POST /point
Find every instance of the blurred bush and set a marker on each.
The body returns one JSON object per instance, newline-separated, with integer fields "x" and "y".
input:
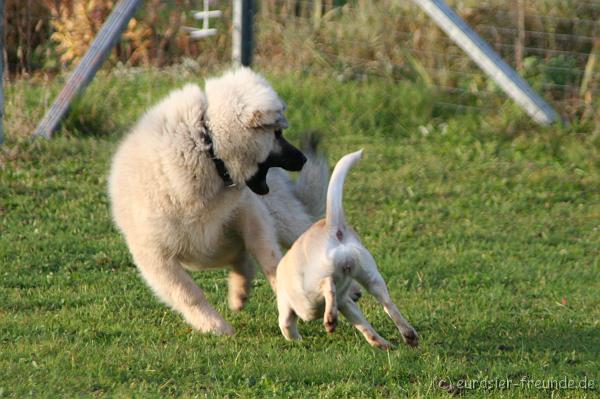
{"x": 50, "y": 35}
{"x": 26, "y": 35}
{"x": 76, "y": 23}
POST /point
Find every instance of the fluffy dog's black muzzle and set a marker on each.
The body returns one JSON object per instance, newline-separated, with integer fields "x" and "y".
{"x": 288, "y": 157}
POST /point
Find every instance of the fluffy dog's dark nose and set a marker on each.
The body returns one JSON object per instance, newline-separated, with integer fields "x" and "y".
{"x": 290, "y": 158}
{"x": 297, "y": 163}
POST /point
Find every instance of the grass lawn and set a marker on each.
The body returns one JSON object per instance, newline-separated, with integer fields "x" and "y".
{"x": 485, "y": 227}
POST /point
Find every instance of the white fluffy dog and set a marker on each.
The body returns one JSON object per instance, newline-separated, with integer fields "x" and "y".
{"x": 179, "y": 191}
{"x": 315, "y": 276}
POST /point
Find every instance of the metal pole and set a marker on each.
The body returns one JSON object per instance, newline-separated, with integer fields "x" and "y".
{"x": 1, "y": 71}
{"x": 243, "y": 12}
{"x": 489, "y": 61}
{"x": 89, "y": 65}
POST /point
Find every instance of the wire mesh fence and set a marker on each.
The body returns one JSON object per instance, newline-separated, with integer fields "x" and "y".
{"x": 554, "y": 44}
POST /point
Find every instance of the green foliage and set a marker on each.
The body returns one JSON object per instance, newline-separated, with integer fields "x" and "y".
{"x": 484, "y": 226}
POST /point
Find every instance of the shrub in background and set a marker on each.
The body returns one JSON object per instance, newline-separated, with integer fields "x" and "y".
{"x": 49, "y": 36}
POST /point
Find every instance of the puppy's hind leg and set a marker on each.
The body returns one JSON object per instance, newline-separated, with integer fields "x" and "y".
{"x": 331, "y": 311}
{"x": 370, "y": 278}
{"x": 287, "y": 319}
{"x": 240, "y": 278}
{"x": 175, "y": 287}
{"x": 351, "y": 311}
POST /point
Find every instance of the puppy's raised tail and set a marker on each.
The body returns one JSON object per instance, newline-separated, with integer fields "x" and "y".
{"x": 334, "y": 218}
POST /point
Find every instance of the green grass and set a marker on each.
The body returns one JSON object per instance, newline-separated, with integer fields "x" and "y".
{"x": 486, "y": 228}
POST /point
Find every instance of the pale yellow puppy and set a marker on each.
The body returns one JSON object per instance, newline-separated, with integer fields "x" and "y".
{"x": 315, "y": 275}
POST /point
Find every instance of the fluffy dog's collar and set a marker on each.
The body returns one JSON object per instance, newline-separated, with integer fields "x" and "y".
{"x": 219, "y": 163}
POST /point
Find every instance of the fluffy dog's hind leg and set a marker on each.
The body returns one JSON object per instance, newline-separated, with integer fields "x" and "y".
{"x": 175, "y": 287}
{"x": 240, "y": 279}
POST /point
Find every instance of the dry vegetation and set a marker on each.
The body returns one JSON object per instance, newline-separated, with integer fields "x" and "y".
{"x": 48, "y": 36}
{"x": 553, "y": 43}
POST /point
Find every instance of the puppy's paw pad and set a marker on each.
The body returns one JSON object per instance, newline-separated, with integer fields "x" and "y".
{"x": 377, "y": 341}
{"x": 411, "y": 338}
{"x": 330, "y": 324}
{"x": 382, "y": 344}
{"x": 330, "y": 321}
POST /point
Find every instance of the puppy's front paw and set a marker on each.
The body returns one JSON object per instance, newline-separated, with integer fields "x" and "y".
{"x": 330, "y": 322}
{"x": 291, "y": 335}
{"x": 411, "y": 338}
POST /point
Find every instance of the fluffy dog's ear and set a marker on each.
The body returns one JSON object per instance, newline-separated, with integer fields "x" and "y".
{"x": 255, "y": 119}
{"x": 267, "y": 119}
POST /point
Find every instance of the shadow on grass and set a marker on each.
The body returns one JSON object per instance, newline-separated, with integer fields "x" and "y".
{"x": 88, "y": 119}
{"x": 559, "y": 342}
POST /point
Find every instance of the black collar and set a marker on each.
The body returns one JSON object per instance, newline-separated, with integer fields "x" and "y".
{"x": 219, "y": 164}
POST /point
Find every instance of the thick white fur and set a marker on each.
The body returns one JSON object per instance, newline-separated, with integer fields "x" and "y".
{"x": 174, "y": 210}
{"x": 314, "y": 278}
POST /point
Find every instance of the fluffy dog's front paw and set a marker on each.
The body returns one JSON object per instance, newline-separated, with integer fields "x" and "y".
{"x": 223, "y": 329}
{"x": 330, "y": 322}
{"x": 411, "y": 338}
{"x": 237, "y": 302}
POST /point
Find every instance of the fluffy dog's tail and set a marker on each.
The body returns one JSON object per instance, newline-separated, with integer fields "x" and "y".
{"x": 334, "y": 218}
{"x": 311, "y": 185}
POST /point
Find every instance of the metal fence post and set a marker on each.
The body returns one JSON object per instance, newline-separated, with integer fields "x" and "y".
{"x": 88, "y": 66}
{"x": 489, "y": 61}
{"x": 1, "y": 71}
{"x": 243, "y": 14}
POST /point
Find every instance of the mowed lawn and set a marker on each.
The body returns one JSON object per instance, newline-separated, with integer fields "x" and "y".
{"x": 485, "y": 227}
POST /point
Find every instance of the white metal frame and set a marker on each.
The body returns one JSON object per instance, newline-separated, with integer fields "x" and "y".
{"x": 205, "y": 15}
{"x": 489, "y": 61}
